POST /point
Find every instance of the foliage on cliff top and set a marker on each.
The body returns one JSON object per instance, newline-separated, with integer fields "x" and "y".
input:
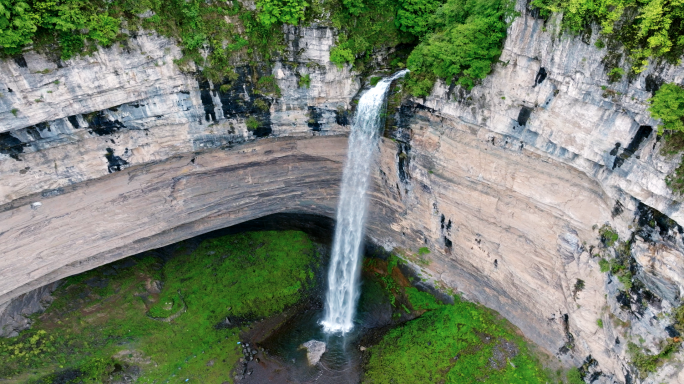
{"x": 458, "y": 40}
{"x": 645, "y": 28}
{"x": 364, "y": 26}
{"x": 102, "y": 312}
{"x": 210, "y": 33}
{"x": 459, "y": 343}
{"x": 467, "y": 39}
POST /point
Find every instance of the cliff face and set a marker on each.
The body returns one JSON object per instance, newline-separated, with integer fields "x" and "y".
{"x": 506, "y": 184}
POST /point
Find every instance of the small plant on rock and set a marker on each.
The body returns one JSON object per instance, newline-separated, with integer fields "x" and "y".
{"x": 608, "y": 235}
{"x": 252, "y": 123}
{"x": 305, "y": 81}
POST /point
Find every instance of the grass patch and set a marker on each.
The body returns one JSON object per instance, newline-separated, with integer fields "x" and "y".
{"x": 459, "y": 343}
{"x": 102, "y": 312}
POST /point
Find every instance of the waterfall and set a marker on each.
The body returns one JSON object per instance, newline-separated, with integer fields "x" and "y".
{"x": 342, "y": 292}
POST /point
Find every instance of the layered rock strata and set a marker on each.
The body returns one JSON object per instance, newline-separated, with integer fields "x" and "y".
{"x": 505, "y": 184}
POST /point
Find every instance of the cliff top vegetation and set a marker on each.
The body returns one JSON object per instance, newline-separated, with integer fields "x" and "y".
{"x": 457, "y": 39}
{"x": 634, "y": 31}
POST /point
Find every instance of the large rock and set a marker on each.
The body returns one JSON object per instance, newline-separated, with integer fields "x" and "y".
{"x": 314, "y": 350}
{"x": 14, "y": 314}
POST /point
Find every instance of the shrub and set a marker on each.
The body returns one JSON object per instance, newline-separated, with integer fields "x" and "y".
{"x": 305, "y": 81}
{"x": 647, "y": 363}
{"x": 646, "y": 28}
{"x": 599, "y": 322}
{"x": 340, "y": 55}
{"x": 252, "y": 123}
{"x": 283, "y": 11}
{"x": 14, "y": 111}
{"x": 262, "y": 105}
{"x": 608, "y": 236}
{"x": 615, "y": 74}
{"x": 668, "y": 105}
{"x": 267, "y": 85}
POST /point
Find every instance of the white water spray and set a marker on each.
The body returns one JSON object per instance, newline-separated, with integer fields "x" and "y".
{"x": 342, "y": 292}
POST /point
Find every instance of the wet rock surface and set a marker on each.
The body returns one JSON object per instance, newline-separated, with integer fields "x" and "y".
{"x": 314, "y": 350}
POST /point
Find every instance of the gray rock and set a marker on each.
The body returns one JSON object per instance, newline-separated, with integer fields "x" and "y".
{"x": 314, "y": 350}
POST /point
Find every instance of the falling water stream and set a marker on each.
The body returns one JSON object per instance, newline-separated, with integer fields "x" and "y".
{"x": 342, "y": 294}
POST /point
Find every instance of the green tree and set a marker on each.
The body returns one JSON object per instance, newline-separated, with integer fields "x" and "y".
{"x": 18, "y": 24}
{"x": 668, "y": 105}
{"x": 414, "y": 15}
{"x": 468, "y": 39}
{"x": 652, "y": 29}
{"x": 283, "y": 11}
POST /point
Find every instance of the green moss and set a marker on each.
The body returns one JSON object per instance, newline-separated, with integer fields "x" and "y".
{"x": 574, "y": 377}
{"x": 244, "y": 276}
{"x": 421, "y": 300}
{"x": 599, "y": 322}
{"x": 14, "y": 111}
{"x": 392, "y": 262}
{"x": 374, "y": 80}
{"x": 225, "y": 88}
{"x": 450, "y": 344}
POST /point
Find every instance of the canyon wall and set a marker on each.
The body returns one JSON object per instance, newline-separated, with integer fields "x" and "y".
{"x": 105, "y": 156}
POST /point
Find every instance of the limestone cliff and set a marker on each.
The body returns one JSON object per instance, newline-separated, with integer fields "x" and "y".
{"x": 105, "y": 156}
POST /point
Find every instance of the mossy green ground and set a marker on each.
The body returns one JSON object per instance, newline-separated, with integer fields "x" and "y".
{"x": 459, "y": 343}
{"x": 100, "y": 318}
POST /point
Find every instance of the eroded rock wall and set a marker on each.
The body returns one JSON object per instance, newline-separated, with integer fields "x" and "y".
{"x": 505, "y": 184}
